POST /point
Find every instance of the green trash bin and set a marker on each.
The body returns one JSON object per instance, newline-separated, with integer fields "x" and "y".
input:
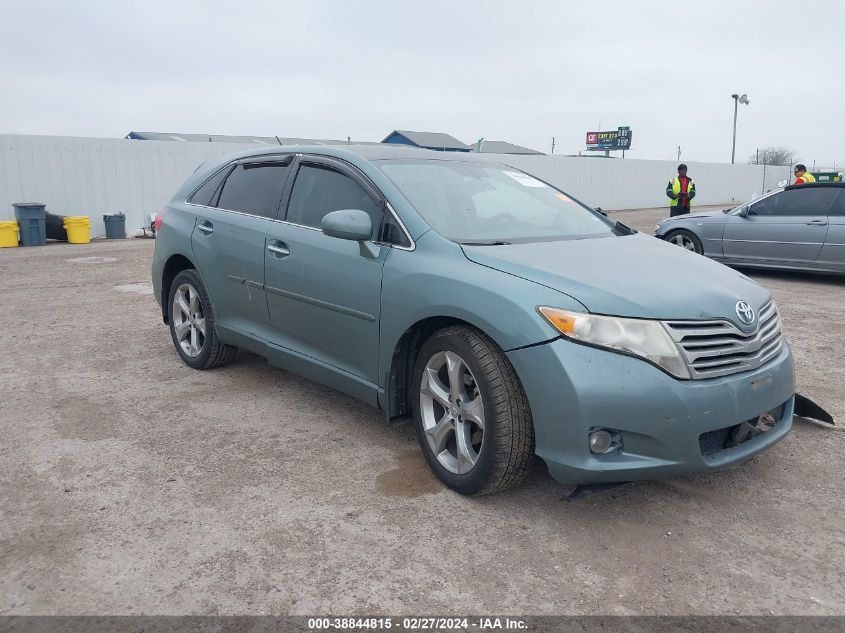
{"x": 827, "y": 176}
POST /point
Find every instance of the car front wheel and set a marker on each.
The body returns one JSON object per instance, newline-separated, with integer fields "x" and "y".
{"x": 471, "y": 414}
{"x": 192, "y": 327}
{"x": 685, "y": 239}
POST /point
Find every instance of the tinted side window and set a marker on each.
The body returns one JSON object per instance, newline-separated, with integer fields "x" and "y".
{"x": 320, "y": 190}
{"x": 254, "y": 188}
{"x": 839, "y": 206}
{"x": 205, "y": 195}
{"x": 810, "y": 201}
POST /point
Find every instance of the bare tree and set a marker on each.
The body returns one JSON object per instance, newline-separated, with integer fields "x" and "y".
{"x": 774, "y": 155}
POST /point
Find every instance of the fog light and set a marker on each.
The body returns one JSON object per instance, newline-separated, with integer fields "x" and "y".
{"x": 600, "y": 441}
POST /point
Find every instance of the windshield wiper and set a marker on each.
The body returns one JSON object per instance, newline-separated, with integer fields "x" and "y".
{"x": 486, "y": 243}
{"x": 623, "y": 229}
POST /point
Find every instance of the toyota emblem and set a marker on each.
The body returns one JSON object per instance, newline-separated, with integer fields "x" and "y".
{"x": 745, "y": 312}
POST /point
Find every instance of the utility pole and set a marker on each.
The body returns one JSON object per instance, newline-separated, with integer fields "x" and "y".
{"x": 733, "y": 145}
{"x": 553, "y": 145}
{"x": 679, "y": 153}
{"x": 737, "y": 100}
{"x": 763, "y": 186}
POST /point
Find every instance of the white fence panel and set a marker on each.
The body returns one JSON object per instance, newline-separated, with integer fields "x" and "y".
{"x": 633, "y": 184}
{"x": 91, "y": 176}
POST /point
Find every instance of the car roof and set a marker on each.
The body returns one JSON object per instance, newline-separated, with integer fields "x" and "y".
{"x": 814, "y": 185}
{"x": 362, "y": 156}
{"x": 367, "y": 152}
{"x": 388, "y": 152}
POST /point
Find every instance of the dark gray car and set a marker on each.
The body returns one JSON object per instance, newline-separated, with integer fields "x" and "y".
{"x": 801, "y": 227}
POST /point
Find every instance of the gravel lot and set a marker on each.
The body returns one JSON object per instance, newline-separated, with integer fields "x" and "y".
{"x": 132, "y": 484}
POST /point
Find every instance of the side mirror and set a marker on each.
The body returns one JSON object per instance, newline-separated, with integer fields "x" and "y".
{"x": 783, "y": 183}
{"x": 351, "y": 224}
{"x": 743, "y": 212}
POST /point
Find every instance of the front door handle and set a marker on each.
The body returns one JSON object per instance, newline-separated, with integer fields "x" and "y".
{"x": 278, "y": 249}
{"x": 206, "y": 227}
{"x": 817, "y": 223}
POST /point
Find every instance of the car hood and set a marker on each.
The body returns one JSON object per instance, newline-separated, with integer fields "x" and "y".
{"x": 714, "y": 215}
{"x": 633, "y": 275}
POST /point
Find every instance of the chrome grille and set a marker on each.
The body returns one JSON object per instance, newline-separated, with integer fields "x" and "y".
{"x": 719, "y": 348}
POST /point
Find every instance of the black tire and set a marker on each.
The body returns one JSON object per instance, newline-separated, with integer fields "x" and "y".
{"x": 689, "y": 235}
{"x": 507, "y": 444}
{"x": 212, "y": 353}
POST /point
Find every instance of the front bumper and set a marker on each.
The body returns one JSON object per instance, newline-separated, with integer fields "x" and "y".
{"x": 574, "y": 388}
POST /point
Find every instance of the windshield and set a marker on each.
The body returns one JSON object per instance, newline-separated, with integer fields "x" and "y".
{"x": 484, "y": 203}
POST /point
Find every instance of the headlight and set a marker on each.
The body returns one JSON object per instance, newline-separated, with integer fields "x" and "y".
{"x": 641, "y": 337}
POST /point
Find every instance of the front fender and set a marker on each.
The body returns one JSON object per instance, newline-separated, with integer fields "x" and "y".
{"x": 707, "y": 230}
{"x": 437, "y": 280}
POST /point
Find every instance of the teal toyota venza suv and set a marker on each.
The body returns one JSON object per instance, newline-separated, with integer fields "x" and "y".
{"x": 507, "y": 318}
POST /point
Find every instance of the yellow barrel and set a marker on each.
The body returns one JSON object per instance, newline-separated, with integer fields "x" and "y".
{"x": 8, "y": 234}
{"x": 78, "y": 229}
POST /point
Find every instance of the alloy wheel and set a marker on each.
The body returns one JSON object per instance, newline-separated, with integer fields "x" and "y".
{"x": 189, "y": 320}
{"x": 683, "y": 241}
{"x": 452, "y": 412}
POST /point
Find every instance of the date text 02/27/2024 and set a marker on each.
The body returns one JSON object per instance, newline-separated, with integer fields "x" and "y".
{"x": 416, "y": 624}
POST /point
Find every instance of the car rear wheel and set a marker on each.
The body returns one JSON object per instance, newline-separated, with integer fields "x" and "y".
{"x": 685, "y": 239}
{"x": 471, "y": 414}
{"x": 192, "y": 326}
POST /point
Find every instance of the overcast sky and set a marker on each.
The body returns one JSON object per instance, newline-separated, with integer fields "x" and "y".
{"x": 516, "y": 71}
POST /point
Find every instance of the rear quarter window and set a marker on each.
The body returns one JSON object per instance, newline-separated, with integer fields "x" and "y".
{"x": 206, "y": 195}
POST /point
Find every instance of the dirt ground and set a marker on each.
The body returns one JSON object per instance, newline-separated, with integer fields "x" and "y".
{"x": 131, "y": 484}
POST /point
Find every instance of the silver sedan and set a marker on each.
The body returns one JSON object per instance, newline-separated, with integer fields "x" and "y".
{"x": 801, "y": 227}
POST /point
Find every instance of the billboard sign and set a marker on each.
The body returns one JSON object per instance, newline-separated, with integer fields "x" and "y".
{"x": 616, "y": 140}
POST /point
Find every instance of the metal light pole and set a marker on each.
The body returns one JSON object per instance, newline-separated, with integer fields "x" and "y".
{"x": 737, "y": 100}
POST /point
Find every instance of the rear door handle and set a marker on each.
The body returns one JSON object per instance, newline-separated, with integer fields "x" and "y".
{"x": 817, "y": 223}
{"x": 278, "y": 249}
{"x": 206, "y": 227}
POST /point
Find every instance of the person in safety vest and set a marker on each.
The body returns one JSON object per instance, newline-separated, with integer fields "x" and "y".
{"x": 681, "y": 191}
{"x": 802, "y": 176}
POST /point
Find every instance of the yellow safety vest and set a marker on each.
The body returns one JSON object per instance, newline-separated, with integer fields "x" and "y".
{"x": 808, "y": 177}
{"x": 676, "y": 189}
